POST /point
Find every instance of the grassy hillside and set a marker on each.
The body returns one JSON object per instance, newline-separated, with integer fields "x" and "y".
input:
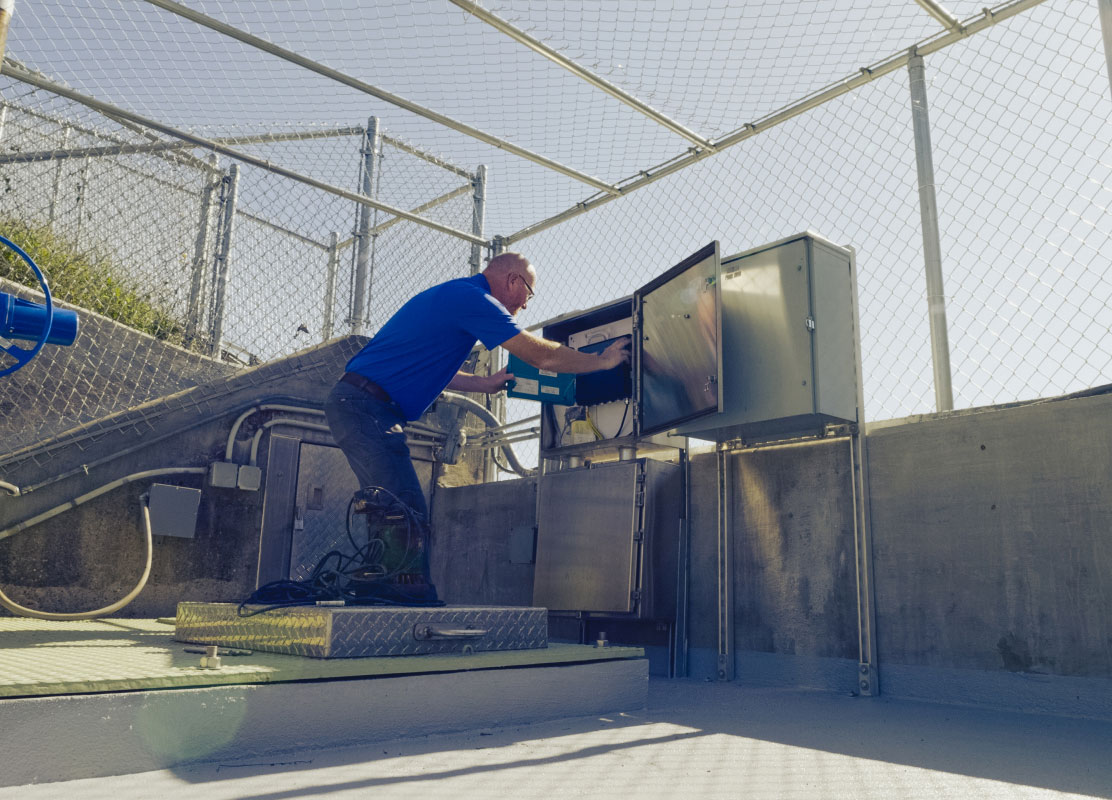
{"x": 85, "y": 279}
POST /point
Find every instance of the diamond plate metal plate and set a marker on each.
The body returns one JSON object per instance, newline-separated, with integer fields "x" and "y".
{"x": 360, "y": 632}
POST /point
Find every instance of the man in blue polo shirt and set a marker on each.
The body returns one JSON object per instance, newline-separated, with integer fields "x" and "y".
{"x": 418, "y": 353}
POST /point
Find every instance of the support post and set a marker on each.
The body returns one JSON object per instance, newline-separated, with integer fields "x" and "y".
{"x": 330, "y": 286}
{"x": 229, "y": 187}
{"x": 497, "y": 402}
{"x": 53, "y": 208}
{"x": 478, "y": 216}
{"x": 83, "y": 190}
{"x": 678, "y": 667}
{"x": 868, "y": 668}
{"x": 364, "y": 254}
{"x": 195, "y": 310}
{"x": 7, "y": 8}
{"x": 932, "y": 251}
{"x": 1105, "y": 7}
{"x": 725, "y": 572}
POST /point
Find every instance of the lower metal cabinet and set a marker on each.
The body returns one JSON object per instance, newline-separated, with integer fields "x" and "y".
{"x": 607, "y": 539}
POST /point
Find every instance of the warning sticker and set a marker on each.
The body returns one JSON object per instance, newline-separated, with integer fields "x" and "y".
{"x": 550, "y": 390}
{"x": 527, "y": 386}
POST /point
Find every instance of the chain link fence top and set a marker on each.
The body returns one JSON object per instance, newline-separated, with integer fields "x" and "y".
{"x": 1019, "y": 119}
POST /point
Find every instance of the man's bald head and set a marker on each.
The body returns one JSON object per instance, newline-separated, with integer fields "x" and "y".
{"x": 512, "y": 280}
{"x": 507, "y": 262}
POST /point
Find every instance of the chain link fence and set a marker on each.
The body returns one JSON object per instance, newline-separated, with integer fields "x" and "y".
{"x": 1019, "y": 115}
{"x": 1022, "y": 145}
{"x": 194, "y": 265}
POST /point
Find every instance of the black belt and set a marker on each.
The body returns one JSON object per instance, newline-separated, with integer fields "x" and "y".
{"x": 367, "y": 385}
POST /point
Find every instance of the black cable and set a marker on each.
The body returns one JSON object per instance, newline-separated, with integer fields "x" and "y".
{"x": 359, "y": 577}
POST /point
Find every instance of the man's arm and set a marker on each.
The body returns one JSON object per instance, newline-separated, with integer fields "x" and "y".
{"x": 548, "y": 355}
{"x": 488, "y": 384}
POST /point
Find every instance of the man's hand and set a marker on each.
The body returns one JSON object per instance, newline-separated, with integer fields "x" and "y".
{"x": 499, "y": 381}
{"x": 615, "y": 354}
{"x": 488, "y": 384}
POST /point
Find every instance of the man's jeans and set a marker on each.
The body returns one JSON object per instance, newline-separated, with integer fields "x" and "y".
{"x": 370, "y": 432}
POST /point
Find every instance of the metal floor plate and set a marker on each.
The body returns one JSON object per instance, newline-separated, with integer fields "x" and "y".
{"x": 363, "y": 631}
{"x": 43, "y": 658}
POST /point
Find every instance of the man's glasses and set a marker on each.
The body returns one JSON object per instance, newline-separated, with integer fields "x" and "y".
{"x": 528, "y": 288}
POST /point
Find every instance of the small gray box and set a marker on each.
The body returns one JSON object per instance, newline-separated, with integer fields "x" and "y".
{"x": 173, "y": 510}
{"x": 250, "y": 478}
{"x": 222, "y": 474}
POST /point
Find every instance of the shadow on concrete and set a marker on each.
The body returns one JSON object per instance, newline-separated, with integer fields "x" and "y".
{"x": 1054, "y": 753}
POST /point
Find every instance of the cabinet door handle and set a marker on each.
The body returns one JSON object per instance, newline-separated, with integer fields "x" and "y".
{"x": 423, "y": 631}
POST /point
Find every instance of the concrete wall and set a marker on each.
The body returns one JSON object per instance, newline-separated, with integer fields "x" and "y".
{"x": 993, "y": 554}
{"x": 92, "y": 555}
{"x": 992, "y": 557}
{"x": 109, "y": 368}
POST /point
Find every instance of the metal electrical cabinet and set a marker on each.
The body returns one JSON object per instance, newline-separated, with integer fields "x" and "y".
{"x": 789, "y": 329}
{"x": 608, "y": 538}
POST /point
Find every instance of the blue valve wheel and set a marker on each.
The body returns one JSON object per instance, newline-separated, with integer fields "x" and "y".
{"x": 21, "y": 354}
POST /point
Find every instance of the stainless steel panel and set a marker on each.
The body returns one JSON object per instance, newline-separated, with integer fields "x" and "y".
{"x": 325, "y": 484}
{"x": 359, "y": 632}
{"x": 836, "y": 364}
{"x": 587, "y": 558}
{"x": 766, "y": 305}
{"x": 679, "y": 352}
{"x": 278, "y": 509}
{"x": 788, "y": 332}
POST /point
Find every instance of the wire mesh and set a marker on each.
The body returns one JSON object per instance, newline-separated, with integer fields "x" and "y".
{"x": 1019, "y": 119}
{"x": 194, "y": 265}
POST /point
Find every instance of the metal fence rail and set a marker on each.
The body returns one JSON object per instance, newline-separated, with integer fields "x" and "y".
{"x": 221, "y": 262}
{"x": 969, "y": 163}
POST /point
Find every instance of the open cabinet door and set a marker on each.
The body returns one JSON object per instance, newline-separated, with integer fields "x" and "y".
{"x": 678, "y": 352}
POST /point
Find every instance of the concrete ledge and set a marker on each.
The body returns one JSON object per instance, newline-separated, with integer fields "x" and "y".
{"x": 83, "y": 736}
{"x": 1028, "y": 692}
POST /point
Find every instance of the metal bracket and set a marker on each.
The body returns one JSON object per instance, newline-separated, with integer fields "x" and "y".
{"x": 867, "y": 680}
{"x": 424, "y": 631}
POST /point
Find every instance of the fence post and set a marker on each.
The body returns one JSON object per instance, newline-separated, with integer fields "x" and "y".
{"x": 932, "y": 251}
{"x": 1105, "y": 7}
{"x": 330, "y": 285}
{"x": 52, "y": 211}
{"x": 195, "y": 309}
{"x": 229, "y": 187}
{"x": 83, "y": 190}
{"x": 478, "y": 216}
{"x": 7, "y": 8}
{"x": 3, "y": 118}
{"x": 364, "y": 263}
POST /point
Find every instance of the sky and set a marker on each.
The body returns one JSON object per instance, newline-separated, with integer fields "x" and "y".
{"x": 1019, "y": 120}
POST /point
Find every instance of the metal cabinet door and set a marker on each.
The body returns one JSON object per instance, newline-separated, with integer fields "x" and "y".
{"x": 678, "y": 354}
{"x": 588, "y": 553}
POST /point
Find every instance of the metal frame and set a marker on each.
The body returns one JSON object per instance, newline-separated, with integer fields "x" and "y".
{"x": 21, "y": 73}
{"x": 932, "y": 248}
{"x": 355, "y": 83}
{"x": 865, "y": 75}
{"x": 161, "y": 147}
{"x": 1105, "y": 9}
{"x": 598, "y": 82}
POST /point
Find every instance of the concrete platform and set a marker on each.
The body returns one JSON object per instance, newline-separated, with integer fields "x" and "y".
{"x": 113, "y": 697}
{"x": 695, "y": 740}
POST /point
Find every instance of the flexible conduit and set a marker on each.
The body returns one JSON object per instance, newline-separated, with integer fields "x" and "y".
{"x": 22, "y": 611}
{"x": 483, "y": 413}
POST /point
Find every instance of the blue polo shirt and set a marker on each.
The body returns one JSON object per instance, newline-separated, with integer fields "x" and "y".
{"x": 421, "y": 348}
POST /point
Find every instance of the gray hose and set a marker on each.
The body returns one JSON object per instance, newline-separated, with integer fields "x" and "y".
{"x": 483, "y": 413}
